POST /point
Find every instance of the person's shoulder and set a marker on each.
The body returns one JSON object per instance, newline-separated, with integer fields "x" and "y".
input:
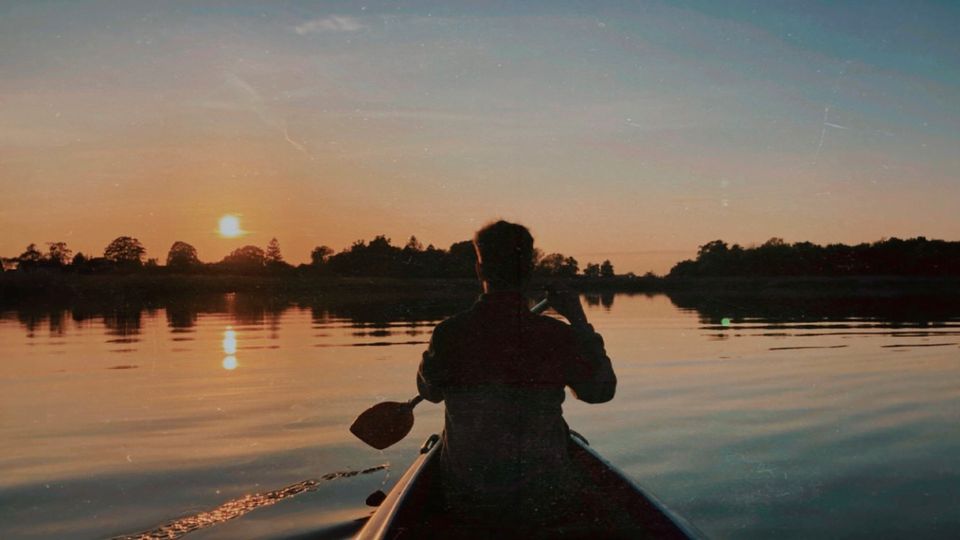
{"x": 452, "y": 322}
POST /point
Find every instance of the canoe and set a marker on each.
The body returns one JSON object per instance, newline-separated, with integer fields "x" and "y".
{"x": 614, "y": 506}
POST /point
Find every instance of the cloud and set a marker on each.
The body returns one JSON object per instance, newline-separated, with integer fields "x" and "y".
{"x": 333, "y": 23}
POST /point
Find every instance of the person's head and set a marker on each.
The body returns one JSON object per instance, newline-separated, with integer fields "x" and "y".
{"x": 504, "y": 255}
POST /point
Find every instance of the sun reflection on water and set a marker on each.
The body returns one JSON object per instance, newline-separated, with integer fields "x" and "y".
{"x": 230, "y": 341}
{"x": 230, "y": 348}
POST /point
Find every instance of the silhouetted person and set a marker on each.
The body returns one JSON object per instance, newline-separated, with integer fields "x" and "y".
{"x": 502, "y": 371}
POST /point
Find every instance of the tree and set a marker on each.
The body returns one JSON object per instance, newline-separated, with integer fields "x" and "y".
{"x": 126, "y": 251}
{"x": 712, "y": 258}
{"x": 415, "y": 261}
{"x": 78, "y": 260}
{"x": 592, "y": 270}
{"x": 29, "y": 258}
{"x": 58, "y": 253}
{"x": 380, "y": 243}
{"x": 549, "y": 265}
{"x": 778, "y": 242}
{"x": 557, "y": 265}
{"x": 606, "y": 269}
{"x": 273, "y": 252}
{"x": 715, "y": 247}
{"x": 537, "y": 256}
{"x": 246, "y": 258}
{"x": 775, "y": 257}
{"x": 182, "y": 256}
{"x": 320, "y": 255}
{"x": 461, "y": 260}
{"x": 685, "y": 268}
{"x": 413, "y": 245}
{"x": 378, "y": 258}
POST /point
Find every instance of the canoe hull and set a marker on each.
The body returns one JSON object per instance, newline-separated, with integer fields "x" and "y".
{"x": 613, "y": 506}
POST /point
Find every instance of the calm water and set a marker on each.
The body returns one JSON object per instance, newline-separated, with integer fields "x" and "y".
{"x": 794, "y": 419}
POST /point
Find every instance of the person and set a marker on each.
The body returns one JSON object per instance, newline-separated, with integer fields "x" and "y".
{"x": 501, "y": 371}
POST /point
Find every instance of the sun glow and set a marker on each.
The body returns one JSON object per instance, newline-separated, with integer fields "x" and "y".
{"x": 230, "y": 226}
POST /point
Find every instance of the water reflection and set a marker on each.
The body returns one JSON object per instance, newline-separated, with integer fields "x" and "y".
{"x": 123, "y": 322}
{"x": 799, "y": 323}
{"x": 230, "y": 363}
{"x": 180, "y": 316}
{"x": 724, "y": 310}
{"x": 230, "y": 341}
{"x": 371, "y": 315}
{"x": 57, "y": 322}
{"x": 604, "y": 299}
{"x": 30, "y": 320}
{"x": 381, "y": 316}
{"x": 747, "y": 414}
{"x": 229, "y": 348}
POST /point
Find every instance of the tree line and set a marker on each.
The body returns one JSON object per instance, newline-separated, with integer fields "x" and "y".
{"x": 374, "y": 258}
{"x": 894, "y": 256}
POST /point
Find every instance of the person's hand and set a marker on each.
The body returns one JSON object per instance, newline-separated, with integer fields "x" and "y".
{"x": 567, "y": 304}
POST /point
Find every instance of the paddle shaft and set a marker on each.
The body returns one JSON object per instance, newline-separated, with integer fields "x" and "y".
{"x": 540, "y": 307}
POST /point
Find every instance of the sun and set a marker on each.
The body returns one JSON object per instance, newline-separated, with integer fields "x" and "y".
{"x": 230, "y": 226}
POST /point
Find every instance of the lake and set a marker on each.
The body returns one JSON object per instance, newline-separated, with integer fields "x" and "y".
{"x": 794, "y": 418}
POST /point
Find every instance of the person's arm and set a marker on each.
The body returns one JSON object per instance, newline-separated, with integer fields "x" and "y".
{"x": 591, "y": 375}
{"x": 431, "y": 374}
{"x": 589, "y": 371}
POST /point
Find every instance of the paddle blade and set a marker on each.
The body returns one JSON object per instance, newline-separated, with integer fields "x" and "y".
{"x": 383, "y": 424}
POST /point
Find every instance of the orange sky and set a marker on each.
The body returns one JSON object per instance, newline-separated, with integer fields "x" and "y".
{"x": 619, "y": 134}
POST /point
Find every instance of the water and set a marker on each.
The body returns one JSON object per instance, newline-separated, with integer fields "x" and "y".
{"x": 793, "y": 418}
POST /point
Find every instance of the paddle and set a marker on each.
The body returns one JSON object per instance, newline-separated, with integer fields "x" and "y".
{"x": 387, "y": 423}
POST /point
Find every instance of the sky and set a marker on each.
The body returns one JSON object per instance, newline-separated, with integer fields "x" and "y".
{"x": 633, "y": 131}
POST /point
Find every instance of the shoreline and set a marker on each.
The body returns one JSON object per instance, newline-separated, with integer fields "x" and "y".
{"x": 43, "y": 287}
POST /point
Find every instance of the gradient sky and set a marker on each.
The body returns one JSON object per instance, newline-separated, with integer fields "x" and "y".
{"x": 633, "y": 131}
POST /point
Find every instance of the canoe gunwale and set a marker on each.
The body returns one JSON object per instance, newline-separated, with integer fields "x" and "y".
{"x": 383, "y": 518}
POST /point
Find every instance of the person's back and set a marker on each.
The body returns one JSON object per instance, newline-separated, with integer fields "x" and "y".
{"x": 501, "y": 371}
